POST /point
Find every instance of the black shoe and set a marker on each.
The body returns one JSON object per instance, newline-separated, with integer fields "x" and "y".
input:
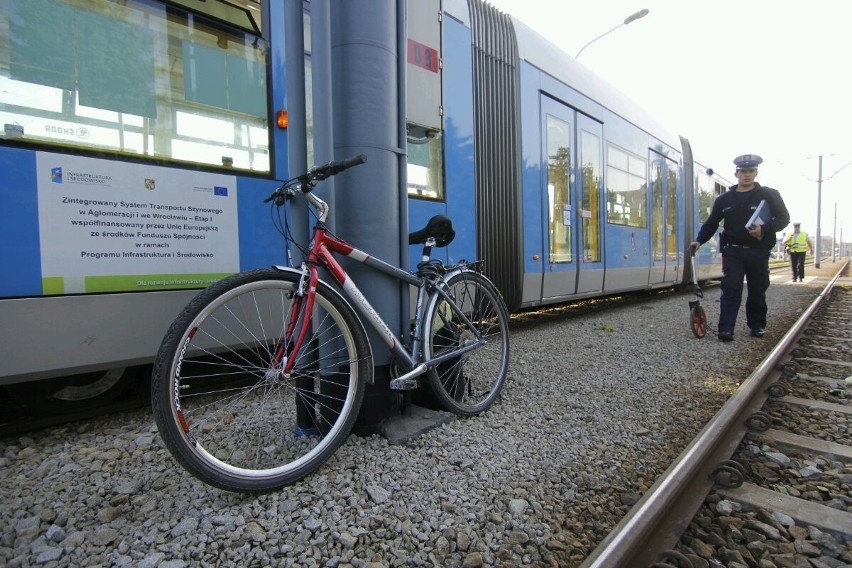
{"x": 758, "y": 332}
{"x": 726, "y": 336}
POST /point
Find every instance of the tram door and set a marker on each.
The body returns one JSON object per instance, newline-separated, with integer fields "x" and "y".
{"x": 664, "y": 248}
{"x": 571, "y": 172}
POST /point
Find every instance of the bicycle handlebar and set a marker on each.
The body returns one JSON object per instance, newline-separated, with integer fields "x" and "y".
{"x": 318, "y": 173}
{"x": 315, "y": 174}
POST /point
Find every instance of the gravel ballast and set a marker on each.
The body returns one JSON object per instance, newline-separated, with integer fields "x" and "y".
{"x": 596, "y": 407}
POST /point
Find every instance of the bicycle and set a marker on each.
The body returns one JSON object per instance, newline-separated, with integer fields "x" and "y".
{"x": 260, "y": 379}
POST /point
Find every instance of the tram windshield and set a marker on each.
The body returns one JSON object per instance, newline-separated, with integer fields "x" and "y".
{"x": 178, "y": 83}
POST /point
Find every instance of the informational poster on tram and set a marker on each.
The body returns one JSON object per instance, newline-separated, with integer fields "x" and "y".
{"x": 117, "y": 226}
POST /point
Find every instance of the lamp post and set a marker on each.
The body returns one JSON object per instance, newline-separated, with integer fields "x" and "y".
{"x": 631, "y": 18}
{"x": 834, "y": 236}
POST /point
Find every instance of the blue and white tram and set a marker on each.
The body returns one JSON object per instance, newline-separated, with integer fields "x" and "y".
{"x": 578, "y": 192}
{"x": 140, "y": 136}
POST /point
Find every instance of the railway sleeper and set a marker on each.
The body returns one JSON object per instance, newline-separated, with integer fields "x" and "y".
{"x": 825, "y": 518}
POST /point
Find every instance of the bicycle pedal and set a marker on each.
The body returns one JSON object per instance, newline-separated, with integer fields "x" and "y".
{"x": 404, "y": 384}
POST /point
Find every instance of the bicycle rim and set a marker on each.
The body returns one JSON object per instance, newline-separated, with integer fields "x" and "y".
{"x": 470, "y": 383}
{"x": 223, "y": 406}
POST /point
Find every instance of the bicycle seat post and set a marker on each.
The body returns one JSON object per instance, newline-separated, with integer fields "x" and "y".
{"x": 427, "y": 249}
{"x": 428, "y": 267}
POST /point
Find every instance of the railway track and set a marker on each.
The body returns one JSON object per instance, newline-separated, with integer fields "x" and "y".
{"x": 17, "y": 417}
{"x": 768, "y": 482}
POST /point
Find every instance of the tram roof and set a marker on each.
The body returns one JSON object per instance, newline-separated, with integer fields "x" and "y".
{"x": 542, "y": 54}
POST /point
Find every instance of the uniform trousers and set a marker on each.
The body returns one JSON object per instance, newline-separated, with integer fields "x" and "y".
{"x": 753, "y": 265}
{"x": 797, "y": 261}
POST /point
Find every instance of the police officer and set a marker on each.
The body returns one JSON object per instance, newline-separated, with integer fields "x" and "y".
{"x": 798, "y": 244}
{"x": 745, "y": 251}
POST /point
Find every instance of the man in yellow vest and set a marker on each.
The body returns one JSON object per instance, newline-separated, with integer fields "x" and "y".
{"x": 798, "y": 245}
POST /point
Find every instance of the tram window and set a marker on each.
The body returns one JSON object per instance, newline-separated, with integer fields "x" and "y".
{"x": 626, "y": 189}
{"x": 671, "y": 209}
{"x": 135, "y": 78}
{"x": 425, "y": 170}
{"x": 590, "y": 213}
{"x": 708, "y": 190}
{"x": 560, "y": 208}
{"x": 706, "y": 187}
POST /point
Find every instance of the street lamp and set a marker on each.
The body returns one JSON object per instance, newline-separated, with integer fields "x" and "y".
{"x": 633, "y": 17}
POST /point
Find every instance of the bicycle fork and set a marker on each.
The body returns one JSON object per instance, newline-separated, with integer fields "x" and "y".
{"x": 284, "y": 358}
{"x": 289, "y": 351}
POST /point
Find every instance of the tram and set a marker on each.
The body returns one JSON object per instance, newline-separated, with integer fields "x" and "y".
{"x": 139, "y": 138}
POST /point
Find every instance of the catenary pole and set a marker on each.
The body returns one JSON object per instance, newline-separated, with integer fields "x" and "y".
{"x": 817, "y": 244}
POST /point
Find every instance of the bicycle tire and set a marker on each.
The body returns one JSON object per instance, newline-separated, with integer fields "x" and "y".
{"x": 698, "y": 321}
{"x": 227, "y": 414}
{"x": 469, "y": 384}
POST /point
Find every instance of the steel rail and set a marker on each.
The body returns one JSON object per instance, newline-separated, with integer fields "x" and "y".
{"x": 657, "y": 521}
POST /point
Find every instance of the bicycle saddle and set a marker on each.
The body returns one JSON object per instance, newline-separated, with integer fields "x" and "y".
{"x": 440, "y": 227}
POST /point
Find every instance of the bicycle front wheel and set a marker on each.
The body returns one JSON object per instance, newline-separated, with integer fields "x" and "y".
{"x": 470, "y": 382}
{"x": 226, "y": 407}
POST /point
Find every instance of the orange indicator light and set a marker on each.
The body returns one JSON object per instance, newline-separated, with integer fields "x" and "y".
{"x": 281, "y": 119}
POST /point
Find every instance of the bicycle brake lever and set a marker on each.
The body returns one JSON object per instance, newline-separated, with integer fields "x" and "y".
{"x": 280, "y": 195}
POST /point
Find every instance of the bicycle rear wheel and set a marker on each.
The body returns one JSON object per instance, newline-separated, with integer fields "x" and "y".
{"x": 469, "y": 383}
{"x": 223, "y": 405}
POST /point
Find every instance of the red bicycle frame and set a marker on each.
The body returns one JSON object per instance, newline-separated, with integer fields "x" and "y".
{"x": 323, "y": 247}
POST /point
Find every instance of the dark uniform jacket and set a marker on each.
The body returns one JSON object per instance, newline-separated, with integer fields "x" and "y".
{"x": 736, "y": 208}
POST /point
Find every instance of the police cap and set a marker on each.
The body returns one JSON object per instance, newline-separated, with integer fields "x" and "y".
{"x": 747, "y": 161}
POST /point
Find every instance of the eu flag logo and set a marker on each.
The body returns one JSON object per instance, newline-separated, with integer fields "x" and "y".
{"x": 219, "y": 190}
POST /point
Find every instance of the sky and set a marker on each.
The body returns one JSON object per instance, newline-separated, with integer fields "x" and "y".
{"x": 734, "y": 77}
